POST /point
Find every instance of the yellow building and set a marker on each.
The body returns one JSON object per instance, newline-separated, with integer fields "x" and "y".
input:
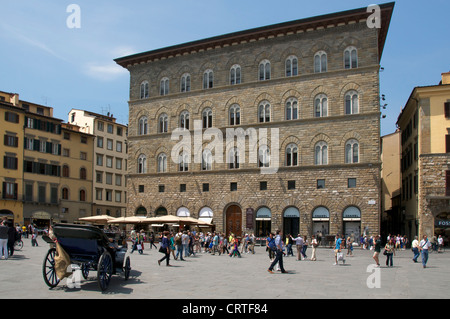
{"x": 11, "y": 172}
{"x": 41, "y": 164}
{"x": 425, "y": 161}
{"x": 75, "y": 191}
{"x": 391, "y": 216}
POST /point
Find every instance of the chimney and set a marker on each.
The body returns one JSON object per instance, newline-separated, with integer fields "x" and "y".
{"x": 446, "y": 78}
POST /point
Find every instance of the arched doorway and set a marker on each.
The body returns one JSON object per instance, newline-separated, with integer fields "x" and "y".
{"x": 321, "y": 223}
{"x": 352, "y": 223}
{"x": 442, "y": 226}
{"x": 291, "y": 222}
{"x": 183, "y": 212}
{"x": 263, "y": 222}
{"x": 141, "y": 212}
{"x": 234, "y": 220}
{"x": 161, "y": 211}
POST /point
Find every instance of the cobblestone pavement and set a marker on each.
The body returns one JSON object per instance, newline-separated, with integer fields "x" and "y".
{"x": 208, "y": 276}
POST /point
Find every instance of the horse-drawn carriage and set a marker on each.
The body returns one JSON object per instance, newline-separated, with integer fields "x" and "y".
{"x": 88, "y": 247}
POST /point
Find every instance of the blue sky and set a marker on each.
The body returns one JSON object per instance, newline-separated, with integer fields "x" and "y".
{"x": 48, "y": 63}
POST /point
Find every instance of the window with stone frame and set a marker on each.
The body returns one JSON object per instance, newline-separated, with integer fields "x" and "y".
{"x": 350, "y": 58}
{"x": 320, "y": 62}
{"x": 291, "y": 66}
{"x": 264, "y": 72}
{"x": 144, "y": 92}
{"x": 351, "y": 102}
{"x": 235, "y": 74}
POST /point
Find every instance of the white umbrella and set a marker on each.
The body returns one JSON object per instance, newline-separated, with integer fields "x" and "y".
{"x": 194, "y": 221}
{"x": 99, "y": 219}
{"x": 127, "y": 220}
{"x": 166, "y": 219}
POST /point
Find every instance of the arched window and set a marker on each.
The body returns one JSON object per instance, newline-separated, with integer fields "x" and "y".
{"x": 321, "y": 153}
{"x": 352, "y": 151}
{"x": 163, "y": 123}
{"x": 82, "y": 173}
{"x": 162, "y": 163}
{"x": 321, "y": 105}
{"x": 164, "y": 86}
{"x": 320, "y": 62}
{"x": 264, "y": 70}
{"x": 143, "y": 125}
{"x": 235, "y": 74}
{"x": 264, "y": 156}
{"x": 144, "y": 90}
{"x": 350, "y": 58}
{"x": 183, "y": 160}
{"x": 65, "y": 193}
{"x": 185, "y": 82}
{"x": 142, "y": 164}
{"x": 184, "y": 120}
{"x": 233, "y": 158}
{"x": 235, "y": 115}
{"x": 292, "y": 66}
{"x": 351, "y": 102}
{"x": 207, "y": 118}
{"x": 264, "y": 112}
{"x": 82, "y": 195}
{"x": 292, "y": 155}
{"x": 292, "y": 109}
{"x": 206, "y": 160}
{"x": 208, "y": 79}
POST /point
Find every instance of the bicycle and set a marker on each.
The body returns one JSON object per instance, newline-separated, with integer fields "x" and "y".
{"x": 18, "y": 244}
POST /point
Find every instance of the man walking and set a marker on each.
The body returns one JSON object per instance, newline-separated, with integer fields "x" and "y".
{"x": 424, "y": 246}
{"x": 415, "y": 248}
{"x": 279, "y": 254}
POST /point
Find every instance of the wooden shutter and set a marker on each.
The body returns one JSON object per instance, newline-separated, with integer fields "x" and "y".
{"x": 447, "y": 109}
{"x": 447, "y": 143}
{"x": 447, "y": 183}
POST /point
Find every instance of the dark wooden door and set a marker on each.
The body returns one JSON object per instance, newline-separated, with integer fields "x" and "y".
{"x": 234, "y": 221}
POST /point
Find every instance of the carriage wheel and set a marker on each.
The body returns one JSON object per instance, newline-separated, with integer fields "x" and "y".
{"x": 104, "y": 270}
{"x": 127, "y": 268}
{"x": 85, "y": 270}
{"x": 18, "y": 245}
{"x": 48, "y": 269}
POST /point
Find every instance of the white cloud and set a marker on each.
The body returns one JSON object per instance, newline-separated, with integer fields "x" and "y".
{"x": 104, "y": 72}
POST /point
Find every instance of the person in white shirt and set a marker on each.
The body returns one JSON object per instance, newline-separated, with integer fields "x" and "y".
{"x": 299, "y": 244}
{"x": 424, "y": 246}
{"x": 440, "y": 243}
{"x": 415, "y": 248}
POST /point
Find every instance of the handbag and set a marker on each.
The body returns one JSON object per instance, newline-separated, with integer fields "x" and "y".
{"x": 385, "y": 252}
{"x": 162, "y": 250}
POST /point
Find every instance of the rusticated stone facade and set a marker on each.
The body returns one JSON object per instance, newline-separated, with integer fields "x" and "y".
{"x": 433, "y": 194}
{"x": 290, "y": 197}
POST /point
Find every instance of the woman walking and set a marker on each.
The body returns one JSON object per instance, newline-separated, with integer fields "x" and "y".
{"x": 165, "y": 248}
{"x": 390, "y": 251}
{"x": 314, "y": 245}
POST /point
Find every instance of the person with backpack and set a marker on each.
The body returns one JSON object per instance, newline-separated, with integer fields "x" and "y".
{"x": 279, "y": 254}
{"x": 270, "y": 246}
{"x": 179, "y": 246}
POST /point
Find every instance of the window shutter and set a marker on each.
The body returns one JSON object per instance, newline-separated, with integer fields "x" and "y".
{"x": 447, "y": 109}
{"x": 447, "y": 183}
{"x": 447, "y": 143}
